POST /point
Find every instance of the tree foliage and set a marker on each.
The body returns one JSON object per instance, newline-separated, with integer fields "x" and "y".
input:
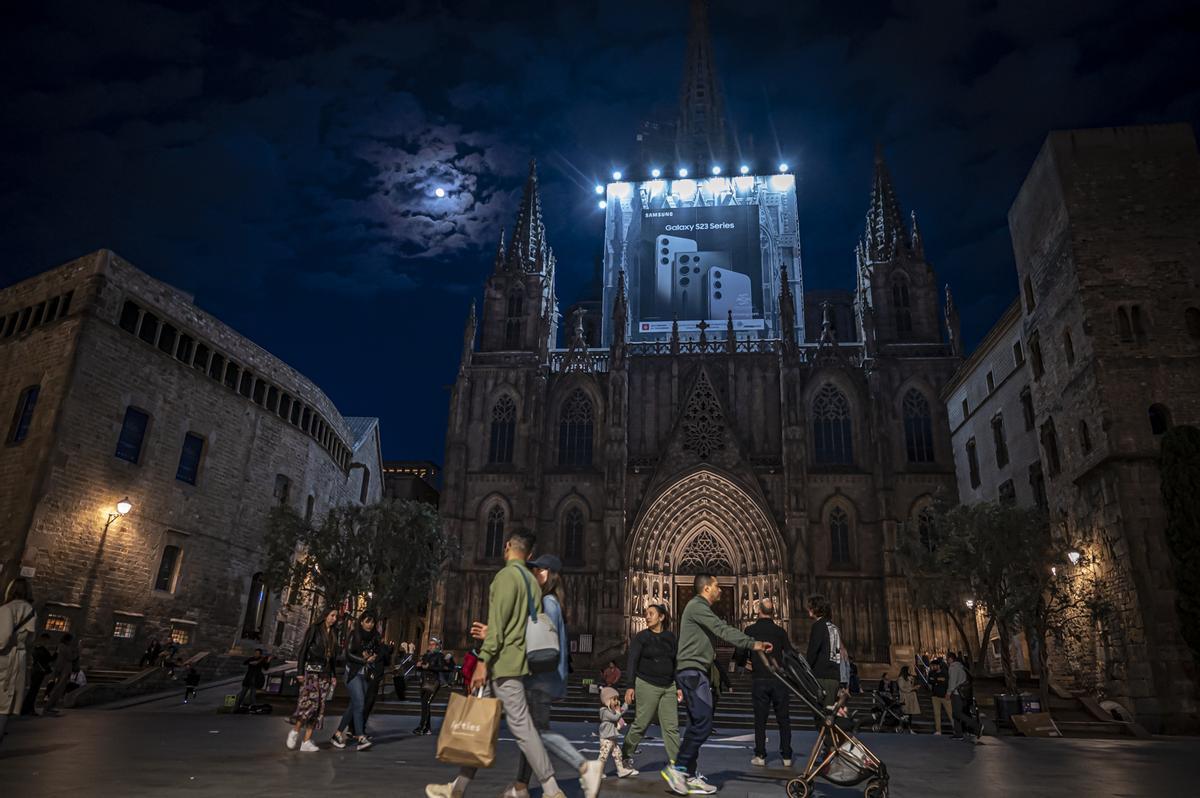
{"x": 1180, "y": 466}
{"x": 389, "y": 552}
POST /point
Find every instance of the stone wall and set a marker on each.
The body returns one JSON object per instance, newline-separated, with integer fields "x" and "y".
{"x": 94, "y": 369}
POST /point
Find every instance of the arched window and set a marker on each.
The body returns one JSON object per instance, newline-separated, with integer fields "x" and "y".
{"x": 832, "y": 429}
{"x": 504, "y": 429}
{"x": 839, "y": 537}
{"x": 494, "y": 542}
{"x": 918, "y": 427}
{"x": 515, "y": 315}
{"x": 256, "y": 608}
{"x": 1160, "y": 419}
{"x": 573, "y": 536}
{"x": 903, "y": 308}
{"x": 926, "y": 529}
{"x": 575, "y": 431}
{"x": 1191, "y": 320}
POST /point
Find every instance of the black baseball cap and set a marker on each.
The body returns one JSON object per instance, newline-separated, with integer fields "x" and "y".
{"x": 547, "y": 562}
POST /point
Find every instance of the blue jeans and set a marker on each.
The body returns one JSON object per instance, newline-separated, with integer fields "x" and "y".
{"x": 353, "y": 716}
{"x": 698, "y": 698}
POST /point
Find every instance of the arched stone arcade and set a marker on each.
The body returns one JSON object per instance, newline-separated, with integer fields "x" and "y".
{"x": 705, "y": 521}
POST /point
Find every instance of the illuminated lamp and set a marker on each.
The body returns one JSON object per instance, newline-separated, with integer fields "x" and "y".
{"x": 599, "y": 189}
{"x": 123, "y": 506}
{"x": 970, "y": 604}
{"x": 783, "y": 167}
{"x": 683, "y": 172}
{"x": 656, "y": 173}
{"x": 1074, "y": 557}
{"x": 439, "y": 192}
{"x": 602, "y": 204}
{"x": 686, "y": 189}
{"x": 716, "y": 170}
{"x": 745, "y": 169}
{"x": 617, "y": 175}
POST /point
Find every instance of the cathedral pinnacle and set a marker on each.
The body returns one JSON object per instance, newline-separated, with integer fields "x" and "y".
{"x": 528, "y": 250}
{"x": 787, "y": 309}
{"x": 885, "y": 236}
{"x": 700, "y": 132}
{"x": 498, "y": 264}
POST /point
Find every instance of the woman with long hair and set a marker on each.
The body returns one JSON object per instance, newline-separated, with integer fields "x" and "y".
{"x": 18, "y": 622}
{"x": 908, "y": 697}
{"x": 316, "y": 667}
{"x": 543, "y": 689}
{"x": 655, "y": 697}
{"x": 361, "y": 653}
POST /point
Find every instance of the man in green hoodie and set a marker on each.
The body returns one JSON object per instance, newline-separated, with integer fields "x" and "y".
{"x": 502, "y": 664}
{"x": 699, "y": 629}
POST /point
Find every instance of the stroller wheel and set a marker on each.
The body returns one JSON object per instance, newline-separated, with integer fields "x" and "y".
{"x": 798, "y": 788}
{"x": 875, "y": 789}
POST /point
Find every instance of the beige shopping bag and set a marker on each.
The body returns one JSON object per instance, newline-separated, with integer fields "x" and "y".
{"x": 469, "y": 730}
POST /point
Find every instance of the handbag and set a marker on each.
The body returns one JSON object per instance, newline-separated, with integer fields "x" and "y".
{"x": 541, "y": 636}
{"x": 469, "y": 731}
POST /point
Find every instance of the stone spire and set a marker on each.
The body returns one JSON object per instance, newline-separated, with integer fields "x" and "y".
{"x": 700, "y": 135}
{"x": 468, "y": 345}
{"x": 953, "y": 325}
{"x": 885, "y": 236}
{"x": 620, "y": 312}
{"x": 528, "y": 250}
{"x": 730, "y": 335}
{"x": 498, "y": 263}
{"x": 787, "y": 310}
{"x": 918, "y": 243}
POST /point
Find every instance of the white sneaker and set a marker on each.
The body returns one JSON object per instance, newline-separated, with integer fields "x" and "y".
{"x": 308, "y": 746}
{"x": 590, "y": 778}
{"x": 698, "y": 785}
{"x": 676, "y": 779}
{"x": 623, "y": 772}
{"x": 293, "y": 738}
{"x": 759, "y": 761}
{"x": 511, "y": 791}
{"x": 787, "y": 763}
{"x": 441, "y": 791}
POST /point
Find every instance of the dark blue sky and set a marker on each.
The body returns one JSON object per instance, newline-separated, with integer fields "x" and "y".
{"x": 279, "y": 160}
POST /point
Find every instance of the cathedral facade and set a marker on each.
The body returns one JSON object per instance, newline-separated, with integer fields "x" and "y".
{"x": 785, "y": 467}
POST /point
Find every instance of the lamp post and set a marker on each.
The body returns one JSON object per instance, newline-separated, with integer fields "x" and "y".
{"x": 123, "y": 508}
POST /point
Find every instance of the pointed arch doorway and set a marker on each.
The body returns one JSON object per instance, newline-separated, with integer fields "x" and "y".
{"x": 705, "y": 522}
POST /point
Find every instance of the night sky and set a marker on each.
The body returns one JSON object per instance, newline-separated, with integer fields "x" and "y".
{"x": 279, "y": 160}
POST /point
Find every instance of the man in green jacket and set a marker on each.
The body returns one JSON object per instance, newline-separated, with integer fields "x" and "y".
{"x": 699, "y": 629}
{"x": 502, "y": 664}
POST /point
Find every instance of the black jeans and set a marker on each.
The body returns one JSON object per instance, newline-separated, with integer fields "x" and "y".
{"x": 960, "y": 717}
{"x": 427, "y": 697}
{"x": 36, "y": 677}
{"x": 768, "y": 694}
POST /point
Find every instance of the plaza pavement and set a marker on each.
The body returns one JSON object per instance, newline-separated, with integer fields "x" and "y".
{"x": 166, "y": 749}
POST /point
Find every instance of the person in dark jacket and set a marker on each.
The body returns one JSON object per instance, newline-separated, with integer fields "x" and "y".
{"x": 191, "y": 681}
{"x": 375, "y": 676}
{"x": 42, "y": 664}
{"x": 150, "y": 657}
{"x": 316, "y": 666}
{"x": 767, "y": 692}
{"x": 939, "y": 683}
{"x": 256, "y": 677}
{"x": 824, "y": 653}
{"x": 651, "y": 665}
{"x": 431, "y": 666}
{"x": 362, "y": 650}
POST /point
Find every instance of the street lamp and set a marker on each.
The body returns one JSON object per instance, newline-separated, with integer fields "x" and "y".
{"x": 1074, "y": 557}
{"x": 123, "y": 508}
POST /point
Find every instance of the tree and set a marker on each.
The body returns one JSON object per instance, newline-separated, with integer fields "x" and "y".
{"x": 389, "y": 553}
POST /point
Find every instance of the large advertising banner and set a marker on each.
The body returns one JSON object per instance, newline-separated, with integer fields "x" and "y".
{"x": 701, "y": 251}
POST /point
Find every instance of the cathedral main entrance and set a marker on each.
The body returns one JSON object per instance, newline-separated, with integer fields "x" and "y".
{"x": 705, "y": 522}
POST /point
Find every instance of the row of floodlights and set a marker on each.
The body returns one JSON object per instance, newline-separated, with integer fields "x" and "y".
{"x": 683, "y": 172}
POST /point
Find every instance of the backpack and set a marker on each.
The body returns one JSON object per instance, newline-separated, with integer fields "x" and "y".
{"x": 541, "y": 636}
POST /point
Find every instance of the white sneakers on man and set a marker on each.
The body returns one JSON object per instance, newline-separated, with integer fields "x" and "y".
{"x": 308, "y": 746}
{"x": 759, "y": 761}
{"x": 293, "y": 738}
{"x": 590, "y": 777}
{"x": 698, "y": 785}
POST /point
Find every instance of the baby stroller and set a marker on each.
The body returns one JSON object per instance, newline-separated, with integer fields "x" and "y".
{"x": 837, "y": 755}
{"x": 886, "y": 713}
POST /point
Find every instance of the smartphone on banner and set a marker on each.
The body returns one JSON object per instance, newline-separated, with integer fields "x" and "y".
{"x": 690, "y": 299}
{"x": 728, "y": 291}
{"x": 666, "y": 250}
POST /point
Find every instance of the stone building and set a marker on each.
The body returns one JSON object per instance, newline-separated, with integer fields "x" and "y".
{"x": 122, "y": 388}
{"x": 993, "y": 431}
{"x": 787, "y": 468}
{"x": 1104, "y": 232}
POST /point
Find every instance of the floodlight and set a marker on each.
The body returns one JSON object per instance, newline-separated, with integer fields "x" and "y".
{"x": 655, "y": 172}
{"x": 617, "y": 175}
{"x": 602, "y": 204}
{"x": 745, "y": 169}
{"x": 783, "y": 167}
{"x": 716, "y": 170}
{"x": 683, "y": 172}
{"x": 599, "y": 189}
